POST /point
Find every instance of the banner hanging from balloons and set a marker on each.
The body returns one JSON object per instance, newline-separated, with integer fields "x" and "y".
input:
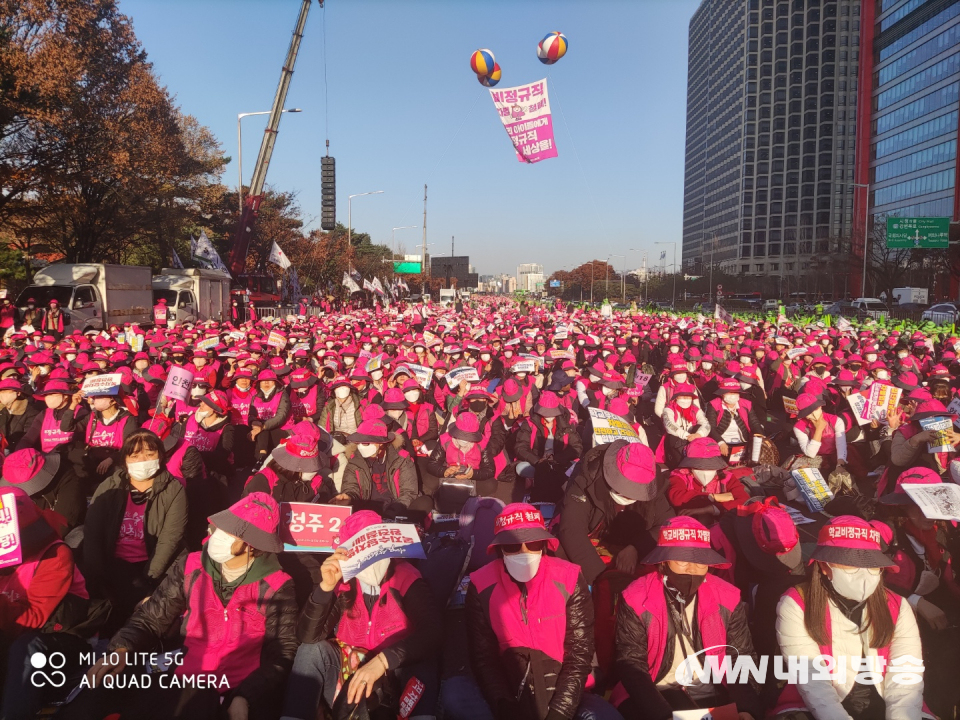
{"x": 525, "y": 112}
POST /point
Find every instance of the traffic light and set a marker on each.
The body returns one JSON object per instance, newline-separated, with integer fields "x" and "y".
{"x": 328, "y": 190}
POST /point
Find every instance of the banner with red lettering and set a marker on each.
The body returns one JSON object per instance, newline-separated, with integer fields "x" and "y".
{"x": 386, "y": 540}
{"x": 525, "y": 112}
{"x": 311, "y": 527}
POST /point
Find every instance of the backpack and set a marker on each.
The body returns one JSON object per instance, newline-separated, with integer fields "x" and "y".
{"x": 476, "y": 523}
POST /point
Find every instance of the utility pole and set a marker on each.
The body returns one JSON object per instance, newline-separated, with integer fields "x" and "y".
{"x": 423, "y": 267}
{"x": 451, "y": 248}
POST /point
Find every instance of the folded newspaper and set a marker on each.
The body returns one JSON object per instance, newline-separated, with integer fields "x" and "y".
{"x": 937, "y": 501}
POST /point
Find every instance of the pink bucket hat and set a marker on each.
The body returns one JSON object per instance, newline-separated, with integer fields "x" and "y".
{"x": 548, "y": 405}
{"x": 467, "y": 428}
{"x": 630, "y": 470}
{"x": 703, "y": 454}
{"x": 807, "y": 403}
{"x": 913, "y": 476}
{"x": 300, "y": 452}
{"x": 393, "y": 399}
{"x": 520, "y": 523}
{"x": 29, "y": 470}
{"x": 371, "y": 431}
{"x": 254, "y": 519}
{"x": 357, "y": 523}
{"x": 849, "y": 540}
{"x": 685, "y": 539}
{"x": 768, "y": 537}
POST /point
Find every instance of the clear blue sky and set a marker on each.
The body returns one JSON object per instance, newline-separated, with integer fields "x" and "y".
{"x": 399, "y": 88}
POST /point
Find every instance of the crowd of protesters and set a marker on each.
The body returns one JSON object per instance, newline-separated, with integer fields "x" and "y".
{"x": 566, "y": 576}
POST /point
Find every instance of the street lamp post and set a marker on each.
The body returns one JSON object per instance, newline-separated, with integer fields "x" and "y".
{"x": 592, "y": 263}
{"x": 674, "y": 302}
{"x": 350, "y": 216}
{"x": 623, "y": 278}
{"x": 240, "y": 117}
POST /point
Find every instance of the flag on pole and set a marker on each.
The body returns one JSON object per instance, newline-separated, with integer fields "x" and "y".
{"x": 206, "y": 254}
{"x": 278, "y": 257}
{"x": 368, "y": 286}
{"x": 350, "y": 284}
{"x": 175, "y": 260}
{"x": 720, "y": 314}
{"x": 377, "y": 287}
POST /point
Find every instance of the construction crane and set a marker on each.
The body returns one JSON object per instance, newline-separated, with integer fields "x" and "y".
{"x": 263, "y": 288}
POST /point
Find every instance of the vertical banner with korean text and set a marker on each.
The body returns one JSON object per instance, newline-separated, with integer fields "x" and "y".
{"x": 525, "y": 112}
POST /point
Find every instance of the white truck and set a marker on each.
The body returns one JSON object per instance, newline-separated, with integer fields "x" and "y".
{"x": 448, "y": 297}
{"x": 904, "y": 295}
{"x": 193, "y": 294}
{"x": 94, "y": 296}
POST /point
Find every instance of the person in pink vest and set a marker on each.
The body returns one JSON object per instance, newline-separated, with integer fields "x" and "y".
{"x": 820, "y": 434}
{"x": 232, "y": 608}
{"x": 925, "y": 575}
{"x": 44, "y": 606}
{"x": 702, "y": 484}
{"x": 672, "y": 615}
{"x": 372, "y": 640}
{"x": 844, "y": 611}
{"x": 683, "y": 421}
{"x": 268, "y": 414}
{"x": 460, "y": 466}
{"x": 161, "y": 313}
{"x": 733, "y": 421}
{"x": 530, "y": 628}
{"x": 44, "y": 433}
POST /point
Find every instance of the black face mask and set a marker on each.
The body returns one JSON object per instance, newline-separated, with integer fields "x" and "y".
{"x": 478, "y": 405}
{"x": 686, "y": 585}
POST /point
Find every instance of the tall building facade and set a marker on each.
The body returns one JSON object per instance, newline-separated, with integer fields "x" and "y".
{"x": 455, "y": 270}
{"x": 914, "y": 48}
{"x": 529, "y": 277}
{"x": 771, "y": 139}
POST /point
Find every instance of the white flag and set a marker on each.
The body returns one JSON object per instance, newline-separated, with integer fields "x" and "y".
{"x": 720, "y": 314}
{"x": 175, "y": 261}
{"x": 278, "y": 257}
{"x": 350, "y": 284}
{"x": 206, "y": 254}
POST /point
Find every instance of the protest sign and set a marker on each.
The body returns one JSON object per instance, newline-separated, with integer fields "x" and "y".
{"x": 790, "y": 405}
{"x": 374, "y": 363}
{"x": 560, "y": 333}
{"x": 755, "y": 448}
{"x": 883, "y": 401}
{"x": 537, "y": 360}
{"x": 608, "y": 427}
{"x": 844, "y": 325}
{"x": 301, "y": 346}
{"x": 208, "y": 343}
{"x": 815, "y": 490}
{"x": 720, "y": 314}
{"x": 178, "y": 383}
{"x": 310, "y": 527}
{"x": 937, "y": 501}
{"x": 102, "y": 385}
{"x": 525, "y": 112}
{"x": 277, "y": 339}
{"x": 641, "y": 380}
{"x": 385, "y": 540}
{"x": 954, "y": 409}
{"x": 136, "y": 342}
{"x": 237, "y": 335}
{"x": 422, "y": 374}
{"x": 798, "y": 517}
{"x": 11, "y": 551}
{"x": 941, "y": 441}
{"x": 461, "y": 374}
{"x": 561, "y": 355}
{"x": 527, "y": 366}
{"x": 797, "y": 352}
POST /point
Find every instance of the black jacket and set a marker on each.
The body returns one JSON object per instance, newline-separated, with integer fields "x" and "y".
{"x": 588, "y": 512}
{"x": 567, "y": 445}
{"x": 517, "y": 683}
{"x": 153, "y": 621}
{"x": 15, "y": 421}
{"x": 719, "y": 422}
{"x": 277, "y": 421}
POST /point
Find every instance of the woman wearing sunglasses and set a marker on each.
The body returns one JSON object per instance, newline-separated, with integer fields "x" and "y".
{"x": 844, "y": 611}
{"x": 530, "y": 627}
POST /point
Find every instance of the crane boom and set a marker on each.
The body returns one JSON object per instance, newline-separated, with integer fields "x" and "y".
{"x": 251, "y": 204}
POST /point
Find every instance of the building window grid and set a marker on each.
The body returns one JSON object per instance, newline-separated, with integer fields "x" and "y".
{"x": 921, "y": 80}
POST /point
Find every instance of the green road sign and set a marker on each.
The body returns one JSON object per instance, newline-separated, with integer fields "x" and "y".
{"x": 924, "y": 232}
{"x": 406, "y": 268}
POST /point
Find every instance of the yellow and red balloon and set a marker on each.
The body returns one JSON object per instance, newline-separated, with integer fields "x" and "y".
{"x": 492, "y": 79}
{"x": 552, "y": 48}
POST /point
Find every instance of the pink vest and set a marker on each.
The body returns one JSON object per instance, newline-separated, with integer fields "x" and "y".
{"x": 240, "y": 405}
{"x": 455, "y": 456}
{"x": 790, "y": 697}
{"x": 297, "y": 411}
{"x": 387, "y": 624}
{"x": 539, "y": 621}
{"x": 16, "y": 585}
{"x": 743, "y": 407}
{"x": 110, "y": 436}
{"x": 224, "y": 640}
{"x": 310, "y": 401}
{"x": 267, "y": 408}
{"x": 50, "y": 433}
{"x": 828, "y": 441}
{"x": 202, "y": 440}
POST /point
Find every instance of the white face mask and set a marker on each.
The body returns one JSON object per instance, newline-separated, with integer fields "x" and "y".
{"x": 684, "y": 402}
{"x": 674, "y": 349}
{"x": 522, "y": 566}
{"x": 373, "y": 574}
{"x": 376, "y": 374}
{"x": 857, "y": 585}
{"x": 485, "y": 357}
{"x": 368, "y": 449}
{"x": 202, "y": 415}
{"x": 412, "y": 396}
{"x": 680, "y": 378}
{"x": 143, "y": 470}
{"x": 463, "y": 446}
{"x": 902, "y": 355}
{"x": 395, "y": 414}
{"x": 219, "y": 546}
{"x": 705, "y": 477}
{"x": 870, "y": 357}
{"x": 609, "y": 391}
{"x": 342, "y": 392}
{"x": 883, "y": 375}
{"x": 731, "y": 398}
{"x": 620, "y": 499}
{"x": 707, "y": 366}
{"x": 198, "y": 392}
{"x": 307, "y": 476}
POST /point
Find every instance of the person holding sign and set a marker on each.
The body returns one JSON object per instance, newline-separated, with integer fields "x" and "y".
{"x": 674, "y": 617}
{"x": 819, "y": 434}
{"x": 925, "y": 576}
{"x": 232, "y": 609}
{"x": 911, "y": 442}
{"x": 845, "y": 612}
{"x": 342, "y": 413}
{"x": 546, "y": 446}
{"x": 530, "y": 626}
{"x": 376, "y": 636}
